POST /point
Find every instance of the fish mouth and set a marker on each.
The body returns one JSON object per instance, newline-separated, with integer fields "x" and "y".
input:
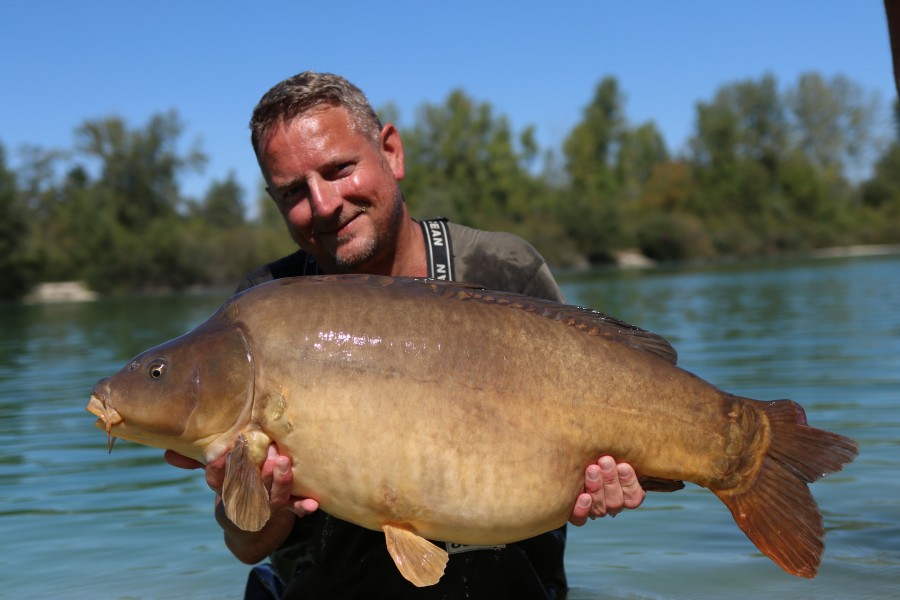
{"x": 108, "y": 417}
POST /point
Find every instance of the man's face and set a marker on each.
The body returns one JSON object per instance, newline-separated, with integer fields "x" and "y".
{"x": 337, "y": 191}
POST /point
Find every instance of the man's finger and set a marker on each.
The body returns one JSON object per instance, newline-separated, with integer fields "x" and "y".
{"x": 631, "y": 487}
{"x": 282, "y": 481}
{"x": 215, "y": 474}
{"x": 181, "y": 461}
{"x": 592, "y": 480}
{"x": 582, "y": 509}
{"x": 613, "y": 496}
{"x": 303, "y": 506}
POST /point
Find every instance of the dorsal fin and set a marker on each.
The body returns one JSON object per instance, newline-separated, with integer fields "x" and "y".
{"x": 590, "y": 321}
{"x": 630, "y": 335}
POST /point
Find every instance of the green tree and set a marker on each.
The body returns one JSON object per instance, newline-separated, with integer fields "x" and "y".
{"x": 139, "y": 169}
{"x": 464, "y": 162}
{"x": 738, "y": 152}
{"x": 773, "y": 169}
{"x": 267, "y": 214}
{"x": 38, "y": 188}
{"x": 590, "y": 149}
{"x": 665, "y": 227}
{"x": 69, "y": 244}
{"x": 590, "y": 210}
{"x": 272, "y": 239}
{"x": 881, "y": 192}
{"x": 15, "y": 271}
{"x": 138, "y": 237}
{"x": 223, "y": 204}
{"x": 744, "y": 124}
{"x": 641, "y": 150}
{"x": 833, "y": 121}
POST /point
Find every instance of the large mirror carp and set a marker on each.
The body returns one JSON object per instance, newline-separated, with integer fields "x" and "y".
{"x": 437, "y": 411}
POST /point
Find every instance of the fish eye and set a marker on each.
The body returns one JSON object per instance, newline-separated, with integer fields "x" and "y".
{"x": 156, "y": 369}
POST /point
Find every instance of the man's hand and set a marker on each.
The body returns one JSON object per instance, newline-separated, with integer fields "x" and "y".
{"x": 278, "y": 477}
{"x": 276, "y": 474}
{"x": 608, "y": 489}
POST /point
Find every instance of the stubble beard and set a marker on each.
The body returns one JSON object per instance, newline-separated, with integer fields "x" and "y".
{"x": 353, "y": 252}
{"x": 361, "y": 254}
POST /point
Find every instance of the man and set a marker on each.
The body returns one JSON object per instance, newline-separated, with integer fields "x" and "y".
{"x": 334, "y": 170}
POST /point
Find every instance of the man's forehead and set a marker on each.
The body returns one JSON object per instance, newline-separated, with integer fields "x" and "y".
{"x": 322, "y": 121}
{"x": 294, "y": 135}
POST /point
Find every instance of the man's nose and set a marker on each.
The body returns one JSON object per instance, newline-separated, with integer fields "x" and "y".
{"x": 324, "y": 198}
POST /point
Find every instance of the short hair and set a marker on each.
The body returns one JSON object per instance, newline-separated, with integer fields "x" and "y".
{"x": 306, "y": 91}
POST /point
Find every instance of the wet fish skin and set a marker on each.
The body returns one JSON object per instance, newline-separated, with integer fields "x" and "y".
{"x": 447, "y": 412}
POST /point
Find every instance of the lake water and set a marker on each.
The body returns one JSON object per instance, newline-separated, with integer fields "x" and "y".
{"x": 79, "y": 523}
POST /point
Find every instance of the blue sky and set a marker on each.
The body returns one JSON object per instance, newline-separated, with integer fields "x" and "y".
{"x": 64, "y": 62}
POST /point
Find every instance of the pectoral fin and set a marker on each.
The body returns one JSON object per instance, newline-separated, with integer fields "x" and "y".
{"x": 246, "y": 498}
{"x": 419, "y": 561}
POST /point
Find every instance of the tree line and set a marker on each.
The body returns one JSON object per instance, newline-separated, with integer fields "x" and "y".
{"x": 766, "y": 170}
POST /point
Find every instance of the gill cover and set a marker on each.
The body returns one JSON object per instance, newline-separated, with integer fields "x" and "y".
{"x": 223, "y": 380}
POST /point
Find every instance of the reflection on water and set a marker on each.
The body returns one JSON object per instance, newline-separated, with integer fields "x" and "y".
{"x": 78, "y": 522}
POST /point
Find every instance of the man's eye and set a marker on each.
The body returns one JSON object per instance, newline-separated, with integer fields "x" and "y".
{"x": 341, "y": 170}
{"x": 292, "y": 196}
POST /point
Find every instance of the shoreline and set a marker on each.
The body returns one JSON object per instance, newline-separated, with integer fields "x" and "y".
{"x": 856, "y": 250}
{"x": 633, "y": 259}
{"x": 77, "y": 291}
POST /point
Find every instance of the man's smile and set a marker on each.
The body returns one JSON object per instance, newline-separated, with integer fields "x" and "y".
{"x": 342, "y": 229}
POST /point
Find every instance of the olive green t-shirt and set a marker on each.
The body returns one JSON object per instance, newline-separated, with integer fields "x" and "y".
{"x": 495, "y": 260}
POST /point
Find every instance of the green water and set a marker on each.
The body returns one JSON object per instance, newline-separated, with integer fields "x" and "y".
{"x": 77, "y": 522}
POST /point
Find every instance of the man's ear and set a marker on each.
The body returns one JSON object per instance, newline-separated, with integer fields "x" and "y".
{"x": 392, "y": 150}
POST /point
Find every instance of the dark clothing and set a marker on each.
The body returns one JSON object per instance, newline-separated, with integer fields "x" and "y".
{"x": 327, "y": 558}
{"x": 342, "y": 560}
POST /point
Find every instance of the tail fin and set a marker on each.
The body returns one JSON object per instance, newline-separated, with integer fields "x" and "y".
{"x": 778, "y": 512}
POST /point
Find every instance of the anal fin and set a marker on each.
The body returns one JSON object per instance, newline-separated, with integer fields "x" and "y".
{"x": 419, "y": 561}
{"x": 246, "y": 498}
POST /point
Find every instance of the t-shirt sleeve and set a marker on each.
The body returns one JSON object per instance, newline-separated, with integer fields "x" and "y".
{"x": 502, "y": 261}
{"x": 543, "y": 285}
